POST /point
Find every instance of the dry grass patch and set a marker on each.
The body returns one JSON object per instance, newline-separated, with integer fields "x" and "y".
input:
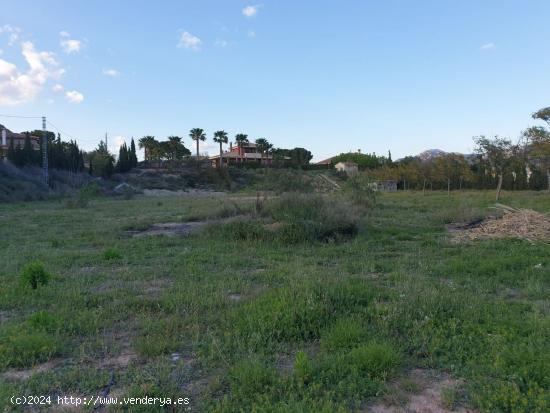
{"x": 519, "y": 223}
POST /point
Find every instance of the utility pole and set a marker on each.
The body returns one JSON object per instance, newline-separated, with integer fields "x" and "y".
{"x": 106, "y": 145}
{"x": 45, "y": 171}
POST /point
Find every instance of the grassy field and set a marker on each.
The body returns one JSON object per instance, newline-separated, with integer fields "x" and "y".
{"x": 238, "y": 319}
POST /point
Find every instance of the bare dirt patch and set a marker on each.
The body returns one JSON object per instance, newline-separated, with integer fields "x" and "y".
{"x": 4, "y": 316}
{"x": 191, "y": 192}
{"x": 519, "y": 223}
{"x": 423, "y": 391}
{"x": 120, "y": 361}
{"x": 170, "y": 229}
{"x": 25, "y": 374}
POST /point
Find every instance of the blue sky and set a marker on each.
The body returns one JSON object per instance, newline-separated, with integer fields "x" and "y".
{"x": 331, "y": 76}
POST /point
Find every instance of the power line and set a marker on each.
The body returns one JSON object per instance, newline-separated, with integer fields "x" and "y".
{"x": 68, "y": 134}
{"x": 20, "y": 117}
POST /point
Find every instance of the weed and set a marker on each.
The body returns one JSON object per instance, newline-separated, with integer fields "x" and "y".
{"x": 303, "y": 368}
{"x": 44, "y": 321}
{"x": 344, "y": 334}
{"x": 21, "y": 347}
{"x": 34, "y": 274}
{"x": 359, "y": 188}
{"x": 112, "y": 254}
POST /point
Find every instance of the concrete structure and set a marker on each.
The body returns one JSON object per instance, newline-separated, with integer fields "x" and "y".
{"x": 347, "y": 167}
{"x": 385, "y": 186}
{"x": 6, "y": 137}
{"x": 245, "y": 155}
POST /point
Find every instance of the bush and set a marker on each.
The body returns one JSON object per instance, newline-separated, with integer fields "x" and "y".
{"x": 282, "y": 180}
{"x": 345, "y": 334}
{"x": 312, "y": 217}
{"x": 242, "y": 230}
{"x": 297, "y": 313}
{"x": 360, "y": 190}
{"x": 44, "y": 321}
{"x": 20, "y": 347}
{"x": 112, "y": 254}
{"x": 303, "y": 368}
{"x": 34, "y": 275}
{"x": 90, "y": 190}
{"x": 251, "y": 378}
{"x": 378, "y": 360}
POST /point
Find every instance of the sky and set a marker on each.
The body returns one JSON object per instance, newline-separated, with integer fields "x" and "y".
{"x": 330, "y": 76}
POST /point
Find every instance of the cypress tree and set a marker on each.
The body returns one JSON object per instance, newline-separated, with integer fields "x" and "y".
{"x": 19, "y": 156}
{"x": 133, "y": 156}
{"x": 28, "y": 152}
{"x": 11, "y": 151}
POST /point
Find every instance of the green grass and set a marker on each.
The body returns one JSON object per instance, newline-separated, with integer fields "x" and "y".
{"x": 317, "y": 327}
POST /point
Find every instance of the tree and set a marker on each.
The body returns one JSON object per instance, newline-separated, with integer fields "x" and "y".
{"x": 147, "y": 143}
{"x": 28, "y": 151}
{"x": 543, "y": 114}
{"x": 538, "y": 149}
{"x": 363, "y": 160}
{"x": 175, "y": 149}
{"x": 221, "y": 138}
{"x": 11, "y": 151}
{"x": 263, "y": 146}
{"x": 102, "y": 160}
{"x": 197, "y": 134}
{"x": 123, "y": 162}
{"x": 241, "y": 139}
{"x": 452, "y": 167}
{"x": 296, "y": 157}
{"x": 133, "y": 155}
{"x": 498, "y": 153}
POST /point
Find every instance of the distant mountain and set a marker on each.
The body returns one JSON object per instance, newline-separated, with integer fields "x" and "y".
{"x": 431, "y": 154}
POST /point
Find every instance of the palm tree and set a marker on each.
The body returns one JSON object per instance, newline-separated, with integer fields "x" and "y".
{"x": 146, "y": 143}
{"x": 197, "y": 134}
{"x": 221, "y": 138}
{"x": 241, "y": 139}
{"x": 263, "y": 146}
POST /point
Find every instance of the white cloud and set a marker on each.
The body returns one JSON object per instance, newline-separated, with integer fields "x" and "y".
{"x": 250, "y": 11}
{"x": 69, "y": 45}
{"x": 189, "y": 41}
{"x": 221, "y": 43}
{"x": 111, "y": 72}
{"x": 13, "y": 33}
{"x": 251, "y": 33}
{"x": 57, "y": 88}
{"x": 487, "y": 46}
{"x": 74, "y": 96}
{"x": 17, "y": 87}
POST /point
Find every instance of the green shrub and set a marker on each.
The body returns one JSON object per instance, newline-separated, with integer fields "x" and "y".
{"x": 282, "y": 180}
{"x": 34, "y": 275}
{"x": 303, "y": 368}
{"x": 360, "y": 190}
{"x": 508, "y": 396}
{"x": 22, "y": 348}
{"x": 112, "y": 254}
{"x": 378, "y": 360}
{"x": 296, "y": 313}
{"x": 249, "y": 379}
{"x": 345, "y": 334}
{"x": 242, "y": 229}
{"x": 44, "y": 321}
{"x": 311, "y": 218}
{"x": 90, "y": 190}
